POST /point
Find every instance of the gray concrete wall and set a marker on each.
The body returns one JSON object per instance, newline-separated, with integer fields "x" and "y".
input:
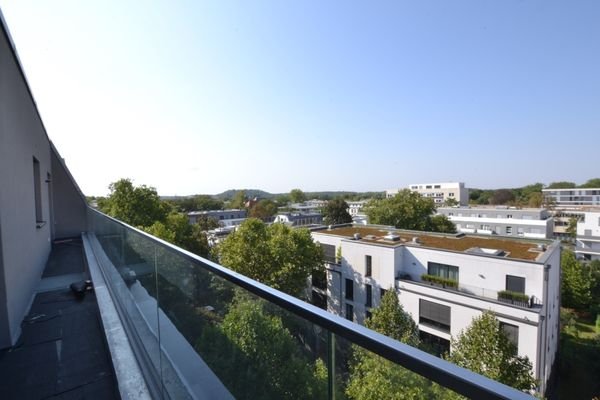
{"x": 25, "y": 245}
{"x": 69, "y": 205}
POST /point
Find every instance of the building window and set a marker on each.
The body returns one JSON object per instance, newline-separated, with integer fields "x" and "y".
{"x": 428, "y": 187}
{"x": 436, "y": 345}
{"x": 349, "y": 289}
{"x": 512, "y": 333}
{"x": 369, "y": 290}
{"x": 515, "y": 284}
{"x": 368, "y": 264}
{"x": 328, "y": 253}
{"x": 509, "y": 230}
{"x": 349, "y": 312}
{"x": 37, "y": 191}
{"x": 509, "y": 216}
{"x": 443, "y": 270}
{"x": 369, "y": 315}
{"x": 382, "y": 293}
{"x": 451, "y": 194}
{"x": 436, "y": 186}
{"x": 435, "y": 315}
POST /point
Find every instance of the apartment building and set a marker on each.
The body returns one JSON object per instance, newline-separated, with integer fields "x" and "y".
{"x": 355, "y": 207}
{"x": 517, "y": 279}
{"x": 534, "y": 223}
{"x": 223, "y": 216}
{"x": 572, "y": 197}
{"x": 438, "y": 192}
{"x": 299, "y": 219}
{"x": 588, "y": 236}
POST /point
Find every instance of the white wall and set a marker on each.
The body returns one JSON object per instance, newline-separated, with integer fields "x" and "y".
{"x": 25, "y": 247}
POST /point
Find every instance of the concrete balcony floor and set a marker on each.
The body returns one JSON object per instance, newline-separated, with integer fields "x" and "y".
{"x": 62, "y": 352}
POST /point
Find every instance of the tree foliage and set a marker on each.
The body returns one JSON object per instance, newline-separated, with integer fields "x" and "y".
{"x": 576, "y": 284}
{"x": 206, "y": 223}
{"x": 391, "y": 320}
{"x": 591, "y": 183}
{"x": 407, "y": 210}
{"x": 502, "y": 196}
{"x": 275, "y": 255}
{"x": 197, "y": 203}
{"x": 263, "y": 209}
{"x": 374, "y": 378}
{"x": 484, "y": 348}
{"x": 134, "y": 205}
{"x": 238, "y": 200}
{"x": 561, "y": 185}
{"x": 297, "y": 196}
{"x": 257, "y": 357}
{"x": 177, "y": 230}
{"x": 441, "y": 223}
{"x": 336, "y": 212}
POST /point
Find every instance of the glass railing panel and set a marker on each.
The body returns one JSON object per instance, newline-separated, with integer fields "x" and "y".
{"x": 128, "y": 263}
{"x": 364, "y": 375}
{"x": 245, "y": 345}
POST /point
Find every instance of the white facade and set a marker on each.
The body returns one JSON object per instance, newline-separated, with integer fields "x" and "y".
{"x": 438, "y": 192}
{"x": 534, "y": 223}
{"x": 588, "y": 236}
{"x": 572, "y": 197}
{"x": 355, "y": 207}
{"x": 399, "y": 266}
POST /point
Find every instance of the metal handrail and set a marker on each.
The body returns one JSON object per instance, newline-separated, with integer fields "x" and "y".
{"x": 458, "y": 379}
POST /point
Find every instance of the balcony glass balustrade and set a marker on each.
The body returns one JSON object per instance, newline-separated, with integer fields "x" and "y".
{"x": 200, "y": 330}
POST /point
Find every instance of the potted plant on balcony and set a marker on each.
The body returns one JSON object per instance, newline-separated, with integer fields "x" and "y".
{"x": 438, "y": 281}
{"x": 518, "y": 299}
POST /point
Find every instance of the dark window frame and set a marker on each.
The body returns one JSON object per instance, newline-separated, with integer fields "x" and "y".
{"x": 349, "y": 295}
{"x": 515, "y": 284}
{"x": 349, "y": 312}
{"x": 368, "y": 265}
{"x": 369, "y": 294}
{"x": 435, "y": 315}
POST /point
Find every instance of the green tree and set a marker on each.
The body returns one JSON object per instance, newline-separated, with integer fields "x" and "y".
{"x": 591, "y": 183}
{"x": 275, "y": 255}
{"x": 373, "y": 377}
{"x": 484, "y": 348}
{"x": 450, "y": 202}
{"x": 198, "y": 203}
{"x": 502, "y": 196}
{"x": 441, "y": 223}
{"x": 336, "y": 212}
{"x": 297, "y": 196}
{"x": 206, "y": 223}
{"x": 391, "y": 320}
{"x": 572, "y": 228}
{"x": 535, "y": 200}
{"x": 406, "y": 210}
{"x": 177, "y": 230}
{"x": 561, "y": 185}
{"x": 263, "y": 209}
{"x": 576, "y": 284}
{"x": 134, "y": 205}
{"x": 238, "y": 200}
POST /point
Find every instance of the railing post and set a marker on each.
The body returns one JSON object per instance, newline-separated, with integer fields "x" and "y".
{"x": 331, "y": 365}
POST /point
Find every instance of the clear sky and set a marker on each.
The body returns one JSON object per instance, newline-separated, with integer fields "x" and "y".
{"x": 200, "y": 97}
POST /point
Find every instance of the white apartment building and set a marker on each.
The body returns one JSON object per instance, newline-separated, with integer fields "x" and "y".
{"x": 439, "y": 192}
{"x": 355, "y": 207}
{"x": 535, "y": 223}
{"x": 365, "y": 261}
{"x": 572, "y": 197}
{"x": 588, "y": 236}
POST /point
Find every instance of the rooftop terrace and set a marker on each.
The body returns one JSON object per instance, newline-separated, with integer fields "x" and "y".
{"x": 512, "y": 248}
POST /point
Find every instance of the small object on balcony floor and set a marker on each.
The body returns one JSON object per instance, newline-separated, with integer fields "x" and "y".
{"x": 79, "y": 288}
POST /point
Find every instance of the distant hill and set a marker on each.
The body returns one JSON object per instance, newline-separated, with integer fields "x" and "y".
{"x": 228, "y": 194}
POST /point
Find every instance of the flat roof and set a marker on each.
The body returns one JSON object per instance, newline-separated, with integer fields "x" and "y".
{"x": 511, "y": 248}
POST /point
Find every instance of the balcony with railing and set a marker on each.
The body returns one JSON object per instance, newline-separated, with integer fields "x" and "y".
{"x": 503, "y": 296}
{"x": 200, "y": 330}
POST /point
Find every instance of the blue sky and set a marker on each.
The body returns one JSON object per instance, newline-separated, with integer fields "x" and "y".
{"x": 200, "y": 97}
